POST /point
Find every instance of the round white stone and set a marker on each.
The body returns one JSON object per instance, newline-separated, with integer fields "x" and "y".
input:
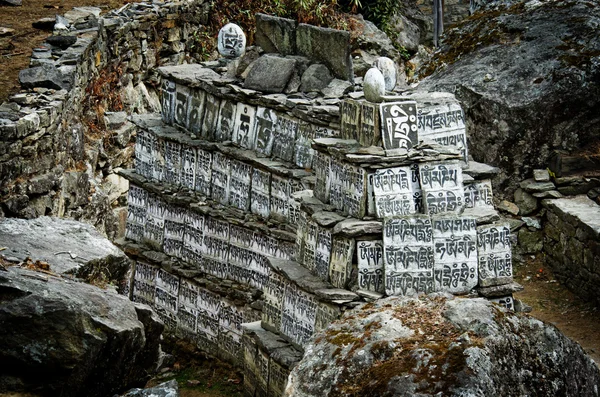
{"x": 387, "y": 67}
{"x": 231, "y": 42}
{"x": 374, "y": 85}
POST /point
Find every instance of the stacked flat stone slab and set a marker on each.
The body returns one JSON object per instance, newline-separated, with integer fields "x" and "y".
{"x": 246, "y": 210}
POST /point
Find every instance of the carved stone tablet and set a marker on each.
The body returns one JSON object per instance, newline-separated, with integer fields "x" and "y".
{"x": 355, "y": 192}
{"x": 369, "y": 133}
{"x": 175, "y": 220}
{"x": 196, "y": 112}
{"x": 260, "y": 198}
{"x": 321, "y": 166}
{"x": 280, "y": 196}
{"x": 155, "y": 221}
{"x": 349, "y": 119}
{"x": 137, "y": 207}
{"x": 303, "y": 152}
{"x": 203, "y": 175}
{"x": 168, "y": 101}
{"x": 393, "y": 192}
{"x": 323, "y": 253}
{"x": 398, "y": 126}
{"x": 443, "y": 123}
{"x": 370, "y": 265}
{"x": 244, "y": 133}
{"x": 226, "y": 121}
{"x": 266, "y": 121}
{"x": 342, "y": 250}
{"x": 212, "y": 106}
{"x": 231, "y": 41}
{"x": 182, "y": 99}
{"x": 494, "y": 254}
{"x": 188, "y": 167}
{"x": 144, "y": 283}
{"x": 479, "y": 195}
{"x": 221, "y": 168}
{"x": 285, "y": 138}
{"x": 442, "y": 187}
{"x": 172, "y": 162}
{"x": 239, "y": 185}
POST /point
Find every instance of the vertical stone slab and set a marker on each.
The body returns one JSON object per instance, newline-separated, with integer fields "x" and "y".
{"x": 370, "y": 265}
{"x": 209, "y": 307}
{"x": 216, "y": 239}
{"x": 301, "y": 231}
{"x": 137, "y": 207}
{"x": 442, "y": 186}
{"x": 221, "y": 169}
{"x": 325, "y": 132}
{"x": 165, "y": 298}
{"x": 355, "y": 192}
{"x": 322, "y": 168}
{"x": 154, "y": 232}
{"x": 310, "y": 245}
{"x": 408, "y": 255}
{"x": 250, "y": 363}
{"x": 371, "y": 208}
{"x": 340, "y": 268}
{"x": 280, "y": 196}
{"x": 175, "y": 220}
{"x": 212, "y": 106}
{"x": 182, "y": 100}
{"x": 144, "y": 283}
{"x": 239, "y": 186}
{"x": 327, "y": 46}
{"x": 203, "y": 174}
{"x": 244, "y": 133}
{"x": 323, "y": 253}
{"x": 273, "y": 303}
{"x": 393, "y": 192}
{"x": 325, "y": 315}
{"x": 443, "y": 123}
{"x": 369, "y": 133}
{"x": 285, "y": 137}
{"x": 494, "y": 254}
{"x": 168, "y": 101}
{"x": 188, "y": 167}
{"x": 416, "y": 189}
{"x": 398, "y": 126}
{"x": 187, "y": 311}
{"x": 143, "y": 154}
{"x": 479, "y": 195}
{"x": 266, "y": 121}
{"x": 196, "y": 112}
{"x": 260, "y": 199}
{"x": 298, "y": 315}
{"x": 158, "y": 158}
{"x": 304, "y": 153}
{"x": 350, "y": 119}
{"x": 337, "y": 178}
{"x": 455, "y": 253}
{"x": 287, "y": 249}
{"x": 172, "y": 163}
{"x": 278, "y": 378}
{"x": 193, "y": 239}
{"x": 275, "y": 35}
{"x": 226, "y": 121}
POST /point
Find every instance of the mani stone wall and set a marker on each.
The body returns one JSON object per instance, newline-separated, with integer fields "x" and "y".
{"x": 572, "y": 244}
{"x": 49, "y": 162}
{"x": 256, "y": 219}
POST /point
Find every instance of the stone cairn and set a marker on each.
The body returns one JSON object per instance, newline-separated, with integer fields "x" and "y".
{"x": 257, "y": 219}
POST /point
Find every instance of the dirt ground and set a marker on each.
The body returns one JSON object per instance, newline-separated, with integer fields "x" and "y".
{"x": 15, "y": 50}
{"x": 554, "y": 304}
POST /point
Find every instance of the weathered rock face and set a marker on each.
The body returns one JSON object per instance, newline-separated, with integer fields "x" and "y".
{"x": 439, "y": 346}
{"x": 61, "y": 337}
{"x": 525, "y": 77}
{"x": 70, "y": 247}
{"x": 166, "y": 389}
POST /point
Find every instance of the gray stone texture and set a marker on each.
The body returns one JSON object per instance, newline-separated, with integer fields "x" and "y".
{"x": 328, "y": 46}
{"x": 275, "y": 35}
{"x": 571, "y": 235}
{"x": 41, "y": 76}
{"x": 270, "y": 73}
{"x": 69, "y": 247}
{"x": 526, "y": 202}
{"x": 504, "y": 110}
{"x": 315, "y": 78}
{"x": 384, "y": 348}
{"x": 61, "y": 337}
{"x": 166, "y": 389}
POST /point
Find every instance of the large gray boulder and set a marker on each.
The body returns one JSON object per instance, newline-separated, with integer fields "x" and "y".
{"x": 270, "y": 73}
{"x": 68, "y": 246}
{"x": 527, "y": 76}
{"x": 432, "y": 346}
{"x": 59, "y": 337}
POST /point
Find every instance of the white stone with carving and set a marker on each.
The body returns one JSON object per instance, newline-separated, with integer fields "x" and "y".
{"x": 231, "y": 42}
